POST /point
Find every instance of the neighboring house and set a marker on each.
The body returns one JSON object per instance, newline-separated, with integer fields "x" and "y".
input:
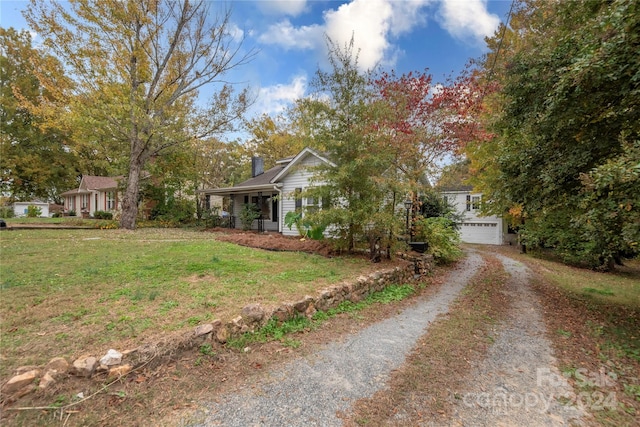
{"x": 20, "y": 208}
{"x": 474, "y": 227}
{"x": 95, "y": 193}
{"x": 273, "y": 190}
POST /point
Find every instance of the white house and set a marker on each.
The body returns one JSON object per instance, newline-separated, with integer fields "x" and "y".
{"x": 474, "y": 228}
{"x": 273, "y": 190}
{"x": 95, "y": 193}
{"x": 20, "y": 208}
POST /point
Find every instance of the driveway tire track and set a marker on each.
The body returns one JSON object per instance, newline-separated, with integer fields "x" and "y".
{"x": 518, "y": 383}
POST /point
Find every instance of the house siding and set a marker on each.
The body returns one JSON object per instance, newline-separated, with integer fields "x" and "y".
{"x": 299, "y": 178}
{"x": 474, "y": 227}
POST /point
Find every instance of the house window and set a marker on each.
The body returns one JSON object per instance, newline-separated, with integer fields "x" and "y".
{"x": 72, "y": 203}
{"x": 475, "y": 202}
{"x": 111, "y": 203}
{"x": 85, "y": 201}
{"x": 207, "y": 202}
{"x": 311, "y": 204}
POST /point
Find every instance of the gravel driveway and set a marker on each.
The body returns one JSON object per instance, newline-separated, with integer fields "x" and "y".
{"x": 518, "y": 383}
{"x": 309, "y": 391}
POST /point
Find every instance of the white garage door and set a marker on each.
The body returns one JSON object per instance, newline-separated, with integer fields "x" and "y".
{"x": 480, "y": 232}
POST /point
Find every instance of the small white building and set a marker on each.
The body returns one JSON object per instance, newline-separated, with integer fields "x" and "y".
{"x": 474, "y": 228}
{"x": 20, "y": 209}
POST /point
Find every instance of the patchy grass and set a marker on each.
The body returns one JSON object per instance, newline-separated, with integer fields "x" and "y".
{"x": 65, "y": 292}
{"x": 419, "y": 391}
{"x": 619, "y": 287}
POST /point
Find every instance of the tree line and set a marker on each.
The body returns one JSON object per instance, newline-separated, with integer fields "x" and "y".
{"x": 562, "y": 107}
{"x": 545, "y": 125}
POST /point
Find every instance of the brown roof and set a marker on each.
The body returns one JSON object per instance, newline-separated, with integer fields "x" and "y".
{"x": 98, "y": 182}
{"x": 264, "y": 178}
{"x": 74, "y": 191}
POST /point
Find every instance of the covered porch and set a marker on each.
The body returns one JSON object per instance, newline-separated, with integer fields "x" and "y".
{"x": 266, "y": 198}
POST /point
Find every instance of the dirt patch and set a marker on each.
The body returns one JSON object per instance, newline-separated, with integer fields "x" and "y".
{"x": 273, "y": 241}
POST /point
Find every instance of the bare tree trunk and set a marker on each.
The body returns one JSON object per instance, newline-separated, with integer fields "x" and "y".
{"x": 130, "y": 200}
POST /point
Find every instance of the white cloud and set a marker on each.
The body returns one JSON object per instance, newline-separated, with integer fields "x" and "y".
{"x": 275, "y": 99}
{"x": 286, "y": 35}
{"x": 466, "y": 19}
{"x": 235, "y": 32}
{"x": 371, "y": 22}
{"x": 283, "y": 7}
{"x": 368, "y": 21}
{"x": 407, "y": 15}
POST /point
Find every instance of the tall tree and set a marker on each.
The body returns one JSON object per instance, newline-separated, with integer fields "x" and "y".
{"x": 272, "y": 139}
{"x": 338, "y": 114}
{"x": 138, "y": 67}
{"x": 569, "y": 104}
{"x": 35, "y": 160}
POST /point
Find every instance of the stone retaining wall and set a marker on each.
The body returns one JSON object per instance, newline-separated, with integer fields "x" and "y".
{"x": 115, "y": 364}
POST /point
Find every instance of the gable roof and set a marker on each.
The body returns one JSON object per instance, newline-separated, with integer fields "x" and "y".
{"x": 257, "y": 183}
{"x": 91, "y": 182}
{"x": 455, "y": 188}
{"x": 297, "y": 159}
{"x": 270, "y": 179}
{"x": 264, "y": 178}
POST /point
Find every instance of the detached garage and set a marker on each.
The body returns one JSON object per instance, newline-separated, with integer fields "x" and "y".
{"x": 489, "y": 233}
{"x": 20, "y": 208}
{"x": 474, "y": 228}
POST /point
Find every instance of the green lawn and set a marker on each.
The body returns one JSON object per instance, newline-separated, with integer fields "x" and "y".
{"x": 63, "y": 292}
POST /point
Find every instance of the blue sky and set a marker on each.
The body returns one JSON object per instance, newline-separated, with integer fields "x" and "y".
{"x": 405, "y": 35}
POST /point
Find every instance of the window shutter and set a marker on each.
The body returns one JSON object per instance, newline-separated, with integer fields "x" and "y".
{"x": 298, "y": 199}
{"x": 468, "y": 202}
{"x": 326, "y": 202}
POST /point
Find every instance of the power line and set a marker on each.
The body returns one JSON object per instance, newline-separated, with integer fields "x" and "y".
{"x": 504, "y": 31}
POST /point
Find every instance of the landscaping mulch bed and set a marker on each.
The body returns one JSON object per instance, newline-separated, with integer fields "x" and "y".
{"x": 273, "y": 241}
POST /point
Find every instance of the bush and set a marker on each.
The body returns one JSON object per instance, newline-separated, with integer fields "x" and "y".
{"x": 102, "y": 215}
{"x": 72, "y": 213}
{"x": 33, "y": 211}
{"x": 174, "y": 210}
{"x": 248, "y": 214}
{"x": 6, "y": 212}
{"x": 441, "y": 235}
{"x": 306, "y": 227}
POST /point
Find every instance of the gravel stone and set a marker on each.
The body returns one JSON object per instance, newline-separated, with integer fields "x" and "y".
{"x": 517, "y": 384}
{"x": 308, "y": 392}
